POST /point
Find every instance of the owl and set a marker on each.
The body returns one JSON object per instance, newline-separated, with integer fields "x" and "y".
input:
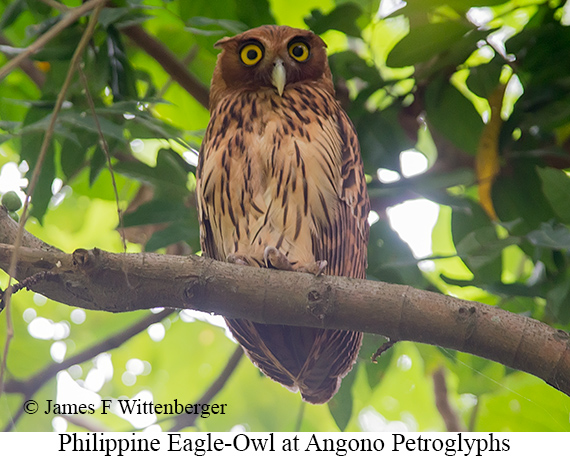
{"x": 280, "y": 184}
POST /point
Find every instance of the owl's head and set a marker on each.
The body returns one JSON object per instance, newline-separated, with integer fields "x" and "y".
{"x": 270, "y": 57}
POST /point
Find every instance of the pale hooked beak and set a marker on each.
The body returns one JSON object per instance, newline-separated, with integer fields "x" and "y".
{"x": 278, "y": 77}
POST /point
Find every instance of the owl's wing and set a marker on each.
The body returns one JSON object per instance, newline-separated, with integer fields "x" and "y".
{"x": 343, "y": 242}
{"x": 207, "y": 240}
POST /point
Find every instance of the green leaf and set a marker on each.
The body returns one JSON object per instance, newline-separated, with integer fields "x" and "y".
{"x": 62, "y": 47}
{"x": 382, "y": 138}
{"x": 86, "y": 122}
{"x": 169, "y": 176}
{"x": 98, "y": 162}
{"x": 452, "y": 115}
{"x": 558, "y": 299}
{"x": 211, "y": 27}
{"x": 552, "y": 237}
{"x": 556, "y": 188}
{"x": 390, "y": 259}
{"x": 116, "y": 16}
{"x": 425, "y": 8}
{"x": 122, "y": 80}
{"x": 340, "y": 405}
{"x": 523, "y": 403}
{"x": 174, "y": 233}
{"x": 156, "y": 212}
{"x": 342, "y": 18}
{"x": 146, "y": 126}
{"x": 11, "y": 13}
{"x": 254, "y": 12}
{"x": 73, "y": 154}
{"x": 477, "y": 243}
{"x": 425, "y": 42}
{"x": 348, "y": 65}
{"x": 519, "y": 195}
{"x": 31, "y": 146}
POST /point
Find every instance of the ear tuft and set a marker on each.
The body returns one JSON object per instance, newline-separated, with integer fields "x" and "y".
{"x": 222, "y": 42}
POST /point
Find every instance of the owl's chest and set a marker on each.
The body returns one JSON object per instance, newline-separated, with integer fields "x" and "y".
{"x": 270, "y": 174}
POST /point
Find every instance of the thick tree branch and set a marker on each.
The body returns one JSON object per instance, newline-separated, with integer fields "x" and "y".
{"x": 126, "y": 282}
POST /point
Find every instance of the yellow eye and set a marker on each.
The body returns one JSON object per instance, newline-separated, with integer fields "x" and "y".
{"x": 299, "y": 51}
{"x": 251, "y": 54}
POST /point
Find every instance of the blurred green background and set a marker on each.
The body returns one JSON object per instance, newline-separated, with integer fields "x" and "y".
{"x": 463, "y": 114}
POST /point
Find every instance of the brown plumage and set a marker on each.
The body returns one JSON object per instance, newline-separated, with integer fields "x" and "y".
{"x": 280, "y": 184}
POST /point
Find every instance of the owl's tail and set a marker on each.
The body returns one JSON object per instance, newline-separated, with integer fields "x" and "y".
{"x": 310, "y": 360}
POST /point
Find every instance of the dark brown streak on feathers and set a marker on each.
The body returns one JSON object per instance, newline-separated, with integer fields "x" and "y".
{"x": 309, "y": 127}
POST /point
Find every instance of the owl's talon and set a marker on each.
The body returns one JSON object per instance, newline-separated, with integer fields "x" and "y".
{"x": 316, "y": 268}
{"x": 237, "y": 259}
{"x": 276, "y": 259}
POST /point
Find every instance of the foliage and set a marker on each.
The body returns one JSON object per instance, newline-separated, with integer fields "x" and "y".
{"x": 480, "y": 88}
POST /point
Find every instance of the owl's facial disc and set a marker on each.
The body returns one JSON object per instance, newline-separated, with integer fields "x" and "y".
{"x": 278, "y": 76}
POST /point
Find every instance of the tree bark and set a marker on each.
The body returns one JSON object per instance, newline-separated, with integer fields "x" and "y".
{"x": 112, "y": 282}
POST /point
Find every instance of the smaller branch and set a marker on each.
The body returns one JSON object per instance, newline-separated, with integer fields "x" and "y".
{"x": 169, "y": 62}
{"x": 381, "y": 350}
{"x": 450, "y": 417}
{"x": 186, "y": 420}
{"x": 300, "y": 416}
{"x": 98, "y": 4}
{"x": 473, "y": 417}
{"x": 27, "y": 65}
{"x": 68, "y": 19}
{"x": 27, "y": 284}
{"x": 185, "y": 61}
{"x": 105, "y": 147}
{"x": 55, "y": 5}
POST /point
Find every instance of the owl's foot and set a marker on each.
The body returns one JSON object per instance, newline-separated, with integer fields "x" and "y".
{"x": 276, "y": 259}
{"x": 316, "y": 268}
{"x": 238, "y": 259}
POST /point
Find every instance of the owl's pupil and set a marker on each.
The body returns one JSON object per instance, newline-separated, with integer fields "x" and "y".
{"x": 297, "y": 51}
{"x": 251, "y": 54}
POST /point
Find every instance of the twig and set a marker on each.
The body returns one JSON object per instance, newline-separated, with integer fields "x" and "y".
{"x": 27, "y": 66}
{"x": 30, "y": 386}
{"x": 56, "y": 5}
{"x": 452, "y": 421}
{"x": 169, "y": 62}
{"x": 382, "y": 349}
{"x": 98, "y": 4}
{"x": 105, "y": 147}
{"x": 68, "y": 19}
{"x": 300, "y": 416}
{"x": 27, "y": 284}
{"x": 473, "y": 417}
{"x": 187, "y": 420}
